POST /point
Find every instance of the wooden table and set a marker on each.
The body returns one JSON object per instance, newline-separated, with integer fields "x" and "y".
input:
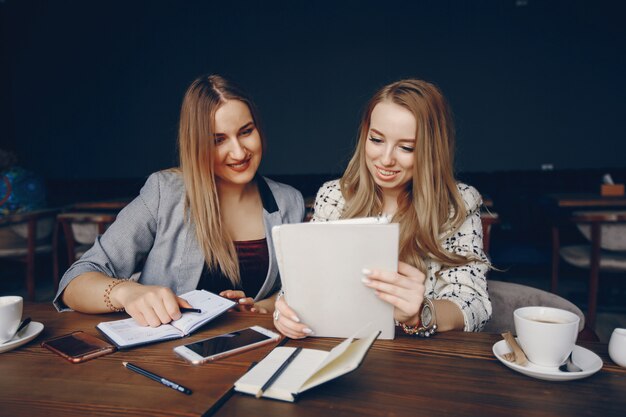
{"x": 36, "y": 382}
{"x": 451, "y": 374}
{"x": 586, "y": 200}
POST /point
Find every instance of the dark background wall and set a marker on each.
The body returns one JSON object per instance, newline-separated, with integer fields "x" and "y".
{"x": 91, "y": 89}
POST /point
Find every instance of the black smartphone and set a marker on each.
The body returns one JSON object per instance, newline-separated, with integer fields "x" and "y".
{"x": 78, "y": 346}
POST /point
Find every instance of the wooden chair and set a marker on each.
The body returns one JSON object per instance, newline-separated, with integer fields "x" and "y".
{"x": 488, "y": 219}
{"x": 80, "y": 230}
{"x": 23, "y": 236}
{"x": 606, "y": 232}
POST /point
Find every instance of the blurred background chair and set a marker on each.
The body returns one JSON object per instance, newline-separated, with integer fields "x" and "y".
{"x": 25, "y": 235}
{"x": 606, "y": 251}
{"x": 506, "y": 297}
{"x": 488, "y": 219}
{"x": 79, "y": 230}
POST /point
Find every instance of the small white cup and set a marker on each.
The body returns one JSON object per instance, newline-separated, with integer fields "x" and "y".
{"x": 547, "y": 335}
{"x": 617, "y": 347}
{"x": 10, "y": 316}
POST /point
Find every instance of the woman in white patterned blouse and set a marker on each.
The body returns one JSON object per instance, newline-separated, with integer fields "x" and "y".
{"x": 403, "y": 168}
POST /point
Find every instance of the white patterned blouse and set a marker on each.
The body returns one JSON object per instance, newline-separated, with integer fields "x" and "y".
{"x": 465, "y": 285}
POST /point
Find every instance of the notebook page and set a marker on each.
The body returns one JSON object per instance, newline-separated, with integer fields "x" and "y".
{"x": 298, "y": 371}
{"x": 128, "y": 332}
{"x": 211, "y": 305}
{"x": 349, "y": 359}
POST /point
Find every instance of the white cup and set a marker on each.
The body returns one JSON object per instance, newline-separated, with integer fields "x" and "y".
{"x": 547, "y": 335}
{"x": 10, "y": 316}
{"x": 617, "y": 347}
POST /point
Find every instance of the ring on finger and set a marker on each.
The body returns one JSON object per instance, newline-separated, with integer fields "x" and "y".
{"x": 276, "y": 314}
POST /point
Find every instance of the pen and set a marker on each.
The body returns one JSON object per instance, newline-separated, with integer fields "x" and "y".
{"x": 166, "y": 382}
{"x": 189, "y": 310}
{"x": 278, "y": 372}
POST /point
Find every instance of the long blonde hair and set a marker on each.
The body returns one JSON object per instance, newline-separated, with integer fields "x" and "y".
{"x": 196, "y": 149}
{"x": 431, "y": 207}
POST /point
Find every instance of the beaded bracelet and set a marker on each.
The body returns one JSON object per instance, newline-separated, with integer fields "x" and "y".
{"x": 107, "y": 295}
{"x": 418, "y": 330}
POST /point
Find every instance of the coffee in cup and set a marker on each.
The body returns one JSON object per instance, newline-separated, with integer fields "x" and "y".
{"x": 547, "y": 335}
{"x": 10, "y": 316}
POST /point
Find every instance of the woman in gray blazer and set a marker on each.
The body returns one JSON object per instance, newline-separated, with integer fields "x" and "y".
{"x": 204, "y": 225}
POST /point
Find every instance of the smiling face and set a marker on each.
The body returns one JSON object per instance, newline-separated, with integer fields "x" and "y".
{"x": 238, "y": 147}
{"x": 389, "y": 147}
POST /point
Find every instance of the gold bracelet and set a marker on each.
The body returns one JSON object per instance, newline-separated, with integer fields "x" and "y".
{"x": 107, "y": 295}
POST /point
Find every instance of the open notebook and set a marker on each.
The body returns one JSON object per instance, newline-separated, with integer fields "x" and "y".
{"x": 321, "y": 270}
{"x": 309, "y": 369}
{"x": 128, "y": 333}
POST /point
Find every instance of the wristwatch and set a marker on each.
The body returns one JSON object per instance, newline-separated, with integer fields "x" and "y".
{"x": 428, "y": 321}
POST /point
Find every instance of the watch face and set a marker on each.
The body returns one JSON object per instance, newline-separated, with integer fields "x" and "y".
{"x": 427, "y": 316}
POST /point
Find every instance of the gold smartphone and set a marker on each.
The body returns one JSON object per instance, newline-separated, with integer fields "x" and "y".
{"x": 78, "y": 346}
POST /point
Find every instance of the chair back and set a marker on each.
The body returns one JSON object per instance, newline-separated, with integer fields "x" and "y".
{"x": 613, "y": 227}
{"x": 506, "y": 297}
{"x": 14, "y": 230}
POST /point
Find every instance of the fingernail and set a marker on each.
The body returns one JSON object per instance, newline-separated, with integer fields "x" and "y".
{"x": 242, "y": 300}
{"x": 366, "y": 280}
{"x": 178, "y": 316}
{"x": 295, "y": 318}
{"x": 366, "y": 271}
{"x": 307, "y": 330}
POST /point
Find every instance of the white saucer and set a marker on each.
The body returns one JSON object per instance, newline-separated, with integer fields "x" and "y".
{"x": 31, "y": 332}
{"x": 584, "y": 358}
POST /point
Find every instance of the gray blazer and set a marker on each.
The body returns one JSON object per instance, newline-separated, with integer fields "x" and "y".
{"x": 152, "y": 227}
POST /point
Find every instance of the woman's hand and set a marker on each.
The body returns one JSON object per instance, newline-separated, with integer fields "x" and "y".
{"x": 287, "y": 321}
{"x": 403, "y": 289}
{"x": 149, "y": 305}
{"x": 243, "y": 303}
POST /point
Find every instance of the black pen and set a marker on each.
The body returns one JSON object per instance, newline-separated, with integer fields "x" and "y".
{"x": 166, "y": 382}
{"x": 278, "y": 372}
{"x": 189, "y": 310}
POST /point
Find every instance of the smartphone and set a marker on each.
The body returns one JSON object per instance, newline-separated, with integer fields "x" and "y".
{"x": 226, "y": 344}
{"x": 78, "y": 346}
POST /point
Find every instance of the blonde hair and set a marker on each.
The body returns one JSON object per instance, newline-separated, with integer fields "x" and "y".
{"x": 196, "y": 149}
{"x": 431, "y": 207}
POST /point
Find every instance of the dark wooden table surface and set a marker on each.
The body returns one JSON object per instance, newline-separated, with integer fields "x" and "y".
{"x": 452, "y": 374}
{"x": 37, "y": 382}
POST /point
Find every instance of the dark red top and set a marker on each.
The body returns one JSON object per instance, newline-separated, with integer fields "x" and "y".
{"x": 254, "y": 262}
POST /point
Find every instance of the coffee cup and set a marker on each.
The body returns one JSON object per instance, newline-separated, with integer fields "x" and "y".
{"x": 617, "y": 347}
{"x": 547, "y": 335}
{"x": 10, "y": 316}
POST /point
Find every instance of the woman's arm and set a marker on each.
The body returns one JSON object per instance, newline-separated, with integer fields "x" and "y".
{"x": 405, "y": 291}
{"x": 114, "y": 257}
{"x": 466, "y": 285}
{"x": 147, "y": 304}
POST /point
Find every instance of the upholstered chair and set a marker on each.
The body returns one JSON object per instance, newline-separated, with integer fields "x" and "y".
{"x": 506, "y": 297}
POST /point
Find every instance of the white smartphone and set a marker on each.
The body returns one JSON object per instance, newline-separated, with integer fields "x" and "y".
{"x": 226, "y": 344}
